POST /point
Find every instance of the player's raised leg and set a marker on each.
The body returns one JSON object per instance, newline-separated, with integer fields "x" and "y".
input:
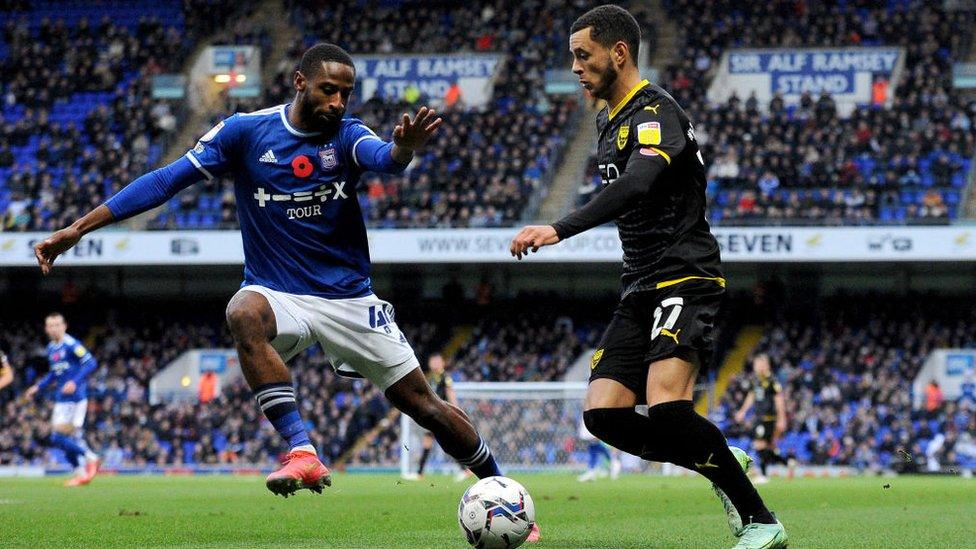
{"x": 253, "y": 325}
{"x": 448, "y": 424}
{"x": 673, "y": 432}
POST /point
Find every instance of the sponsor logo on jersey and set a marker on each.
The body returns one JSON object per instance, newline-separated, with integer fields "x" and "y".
{"x": 80, "y": 351}
{"x": 268, "y": 157}
{"x": 649, "y": 133}
{"x": 622, "y": 136}
{"x": 672, "y": 335}
{"x": 328, "y": 158}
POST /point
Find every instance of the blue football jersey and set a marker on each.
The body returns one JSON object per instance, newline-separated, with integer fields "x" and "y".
{"x": 69, "y": 361}
{"x": 301, "y": 224}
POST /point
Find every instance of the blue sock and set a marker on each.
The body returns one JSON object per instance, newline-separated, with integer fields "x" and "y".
{"x": 602, "y": 450}
{"x": 594, "y": 455}
{"x": 70, "y": 446}
{"x": 481, "y": 462}
{"x": 277, "y": 401}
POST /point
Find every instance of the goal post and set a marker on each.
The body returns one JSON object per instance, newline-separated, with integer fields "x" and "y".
{"x": 529, "y": 426}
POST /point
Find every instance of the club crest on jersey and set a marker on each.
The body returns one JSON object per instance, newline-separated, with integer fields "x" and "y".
{"x": 328, "y": 158}
{"x": 622, "y": 136}
{"x": 649, "y": 133}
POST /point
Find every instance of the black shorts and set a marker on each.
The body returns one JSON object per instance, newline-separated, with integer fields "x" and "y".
{"x": 764, "y": 430}
{"x": 652, "y": 325}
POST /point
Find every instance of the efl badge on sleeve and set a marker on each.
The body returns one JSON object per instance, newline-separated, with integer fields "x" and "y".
{"x": 622, "y": 136}
{"x": 649, "y": 133}
{"x": 328, "y": 158}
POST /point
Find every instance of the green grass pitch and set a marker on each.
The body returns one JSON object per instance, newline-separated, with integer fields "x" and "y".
{"x": 383, "y": 511}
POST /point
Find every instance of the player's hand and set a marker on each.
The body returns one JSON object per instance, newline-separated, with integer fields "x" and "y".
{"x": 69, "y": 388}
{"x": 413, "y": 133}
{"x": 51, "y": 247}
{"x": 533, "y": 237}
{"x": 740, "y": 417}
{"x": 780, "y": 426}
{"x": 30, "y": 392}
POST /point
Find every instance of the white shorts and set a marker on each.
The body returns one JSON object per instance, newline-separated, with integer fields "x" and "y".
{"x": 70, "y": 413}
{"x": 358, "y": 334}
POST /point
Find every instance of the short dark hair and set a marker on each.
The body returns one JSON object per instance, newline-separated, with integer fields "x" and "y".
{"x": 320, "y": 53}
{"x": 611, "y": 24}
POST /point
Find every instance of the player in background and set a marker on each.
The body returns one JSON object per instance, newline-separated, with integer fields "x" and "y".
{"x": 599, "y": 453}
{"x": 70, "y": 365}
{"x": 6, "y": 372}
{"x": 306, "y": 257}
{"x": 443, "y": 387}
{"x": 662, "y": 332}
{"x": 766, "y": 396}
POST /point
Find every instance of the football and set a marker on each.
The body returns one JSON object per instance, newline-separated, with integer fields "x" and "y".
{"x": 496, "y": 512}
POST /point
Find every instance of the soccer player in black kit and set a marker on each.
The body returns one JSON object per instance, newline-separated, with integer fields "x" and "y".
{"x": 765, "y": 397}
{"x": 661, "y": 333}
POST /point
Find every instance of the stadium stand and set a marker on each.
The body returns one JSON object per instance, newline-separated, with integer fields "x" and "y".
{"x": 73, "y": 133}
{"x": 227, "y": 430}
{"x": 484, "y": 166}
{"x": 846, "y": 367}
{"x": 769, "y": 164}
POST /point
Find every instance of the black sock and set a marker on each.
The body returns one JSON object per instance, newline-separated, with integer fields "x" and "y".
{"x": 481, "y": 462}
{"x": 423, "y": 460}
{"x": 675, "y": 433}
{"x": 764, "y": 459}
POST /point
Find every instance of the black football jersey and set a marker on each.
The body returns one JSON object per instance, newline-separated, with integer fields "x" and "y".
{"x": 765, "y": 391}
{"x": 664, "y": 233}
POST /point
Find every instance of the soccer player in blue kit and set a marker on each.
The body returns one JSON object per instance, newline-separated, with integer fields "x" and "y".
{"x": 306, "y": 268}
{"x": 67, "y": 381}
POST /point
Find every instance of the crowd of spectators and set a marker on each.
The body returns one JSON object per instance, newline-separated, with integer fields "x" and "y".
{"x": 847, "y": 368}
{"x": 486, "y": 165}
{"x": 78, "y": 120}
{"x": 846, "y": 365}
{"x": 131, "y": 348}
{"x": 902, "y": 158}
{"x": 72, "y": 133}
{"x": 523, "y": 348}
{"x": 127, "y": 430}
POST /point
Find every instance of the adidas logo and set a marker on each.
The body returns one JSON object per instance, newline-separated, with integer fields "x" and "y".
{"x": 268, "y": 157}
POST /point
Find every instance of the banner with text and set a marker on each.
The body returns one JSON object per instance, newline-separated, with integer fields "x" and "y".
{"x": 389, "y": 76}
{"x": 847, "y": 74}
{"x": 600, "y": 245}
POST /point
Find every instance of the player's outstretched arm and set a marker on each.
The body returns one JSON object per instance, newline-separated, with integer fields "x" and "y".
{"x": 412, "y": 134}
{"x": 533, "y": 237}
{"x": 606, "y": 206}
{"x": 61, "y": 241}
{"x": 146, "y": 192}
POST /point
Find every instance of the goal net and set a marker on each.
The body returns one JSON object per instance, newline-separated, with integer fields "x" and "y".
{"x": 529, "y": 426}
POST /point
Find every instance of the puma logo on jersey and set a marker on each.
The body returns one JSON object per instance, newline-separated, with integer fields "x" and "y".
{"x": 268, "y": 157}
{"x": 708, "y": 463}
{"x": 672, "y": 335}
{"x": 652, "y": 109}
